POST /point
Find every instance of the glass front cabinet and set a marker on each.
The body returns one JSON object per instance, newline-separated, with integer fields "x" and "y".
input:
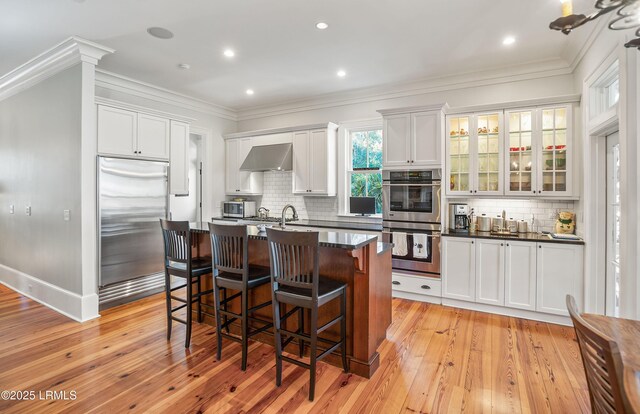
{"x": 532, "y": 157}
{"x": 474, "y": 154}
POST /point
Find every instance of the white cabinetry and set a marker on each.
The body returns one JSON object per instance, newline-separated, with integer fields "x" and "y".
{"x": 459, "y": 268}
{"x": 314, "y": 162}
{"x": 514, "y": 274}
{"x": 559, "y": 273}
{"x": 520, "y": 275}
{"x": 179, "y": 159}
{"x": 412, "y": 137}
{"x": 240, "y": 182}
{"x": 490, "y": 271}
{"x": 132, "y": 134}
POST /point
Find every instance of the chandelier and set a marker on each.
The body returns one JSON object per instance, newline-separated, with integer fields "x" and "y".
{"x": 628, "y": 17}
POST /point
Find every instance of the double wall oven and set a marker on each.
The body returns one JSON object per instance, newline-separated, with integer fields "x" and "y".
{"x": 411, "y": 219}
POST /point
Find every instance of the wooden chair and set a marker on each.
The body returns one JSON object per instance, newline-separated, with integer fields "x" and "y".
{"x": 230, "y": 252}
{"x": 602, "y": 366}
{"x": 178, "y": 262}
{"x": 296, "y": 281}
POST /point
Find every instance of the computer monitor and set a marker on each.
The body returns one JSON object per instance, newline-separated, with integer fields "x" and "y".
{"x": 362, "y": 205}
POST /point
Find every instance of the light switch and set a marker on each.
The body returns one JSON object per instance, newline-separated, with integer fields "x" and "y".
{"x": 12, "y": 210}
{"x": 27, "y": 210}
{"x": 67, "y": 215}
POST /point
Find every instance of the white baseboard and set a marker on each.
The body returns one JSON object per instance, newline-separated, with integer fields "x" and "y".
{"x": 414, "y": 296}
{"x": 77, "y": 307}
{"x": 517, "y": 313}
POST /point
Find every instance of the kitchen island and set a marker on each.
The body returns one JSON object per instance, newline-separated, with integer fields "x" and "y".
{"x": 356, "y": 259}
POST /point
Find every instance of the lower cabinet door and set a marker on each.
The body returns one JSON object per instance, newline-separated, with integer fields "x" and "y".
{"x": 520, "y": 275}
{"x": 559, "y": 272}
{"x": 458, "y": 268}
{"x": 490, "y": 271}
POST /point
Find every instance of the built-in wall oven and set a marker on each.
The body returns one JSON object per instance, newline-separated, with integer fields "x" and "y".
{"x": 411, "y": 220}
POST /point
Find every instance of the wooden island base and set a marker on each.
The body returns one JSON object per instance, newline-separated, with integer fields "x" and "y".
{"x": 367, "y": 272}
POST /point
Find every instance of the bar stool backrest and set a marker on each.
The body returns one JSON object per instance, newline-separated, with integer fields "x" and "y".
{"x": 177, "y": 241}
{"x": 602, "y": 365}
{"x": 294, "y": 259}
{"x": 229, "y": 249}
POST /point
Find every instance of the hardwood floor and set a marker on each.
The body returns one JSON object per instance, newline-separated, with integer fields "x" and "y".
{"x": 435, "y": 360}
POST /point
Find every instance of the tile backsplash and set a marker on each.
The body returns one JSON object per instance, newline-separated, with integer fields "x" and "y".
{"x": 277, "y": 194}
{"x": 544, "y": 211}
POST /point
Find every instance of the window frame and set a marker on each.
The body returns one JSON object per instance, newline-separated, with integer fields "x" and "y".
{"x": 345, "y": 162}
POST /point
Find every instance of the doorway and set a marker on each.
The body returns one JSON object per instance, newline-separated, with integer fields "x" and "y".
{"x": 189, "y": 207}
{"x": 612, "y": 301}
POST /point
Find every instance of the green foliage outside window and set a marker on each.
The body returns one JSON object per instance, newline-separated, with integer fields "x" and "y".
{"x": 366, "y": 179}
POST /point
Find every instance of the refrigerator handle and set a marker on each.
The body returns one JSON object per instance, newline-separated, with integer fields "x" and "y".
{"x": 168, "y": 214}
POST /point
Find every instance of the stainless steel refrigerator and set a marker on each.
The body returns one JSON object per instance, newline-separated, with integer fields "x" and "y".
{"x": 132, "y": 197}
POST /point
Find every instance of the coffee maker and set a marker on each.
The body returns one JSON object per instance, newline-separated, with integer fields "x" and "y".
{"x": 459, "y": 218}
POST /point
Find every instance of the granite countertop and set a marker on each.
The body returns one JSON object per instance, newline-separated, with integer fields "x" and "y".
{"x": 346, "y": 225}
{"x": 532, "y": 237}
{"x": 339, "y": 239}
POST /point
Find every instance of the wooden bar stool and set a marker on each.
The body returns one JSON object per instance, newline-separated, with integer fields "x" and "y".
{"x": 296, "y": 281}
{"x": 230, "y": 252}
{"x": 178, "y": 262}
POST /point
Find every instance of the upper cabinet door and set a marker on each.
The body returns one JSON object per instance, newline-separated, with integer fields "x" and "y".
{"x": 554, "y": 158}
{"x": 301, "y": 155}
{"x": 426, "y": 136}
{"x": 231, "y": 167}
{"x": 179, "y": 159}
{"x": 396, "y": 138}
{"x": 459, "y": 153}
{"x": 521, "y": 148}
{"x": 153, "y": 137}
{"x": 487, "y": 150}
{"x": 318, "y": 163}
{"x": 117, "y": 129}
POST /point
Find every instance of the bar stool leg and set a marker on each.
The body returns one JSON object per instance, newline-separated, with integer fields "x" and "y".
{"x": 187, "y": 341}
{"x": 167, "y": 291}
{"x": 313, "y": 351}
{"x": 245, "y": 329}
{"x": 226, "y": 308}
{"x": 278, "y": 342}
{"x": 216, "y": 299}
{"x": 301, "y": 330}
{"x": 343, "y": 329}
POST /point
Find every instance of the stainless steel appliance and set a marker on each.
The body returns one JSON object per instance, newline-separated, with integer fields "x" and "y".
{"x": 132, "y": 197}
{"x": 238, "y": 209}
{"x": 484, "y": 223}
{"x": 459, "y": 217}
{"x": 411, "y": 218}
{"x": 412, "y": 196}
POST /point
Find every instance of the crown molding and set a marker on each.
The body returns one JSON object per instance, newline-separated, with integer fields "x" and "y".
{"x": 595, "y": 33}
{"x": 270, "y": 131}
{"x": 525, "y": 71}
{"x": 65, "y": 54}
{"x": 423, "y": 108}
{"x": 527, "y": 103}
{"x": 130, "y": 86}
{"x": 142, "y": 109}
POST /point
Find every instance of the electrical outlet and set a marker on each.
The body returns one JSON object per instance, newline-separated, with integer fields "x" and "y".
{"x": 12, "y": 209}
{"x": 67, "y": 215}
{"x": 27, "y": 210}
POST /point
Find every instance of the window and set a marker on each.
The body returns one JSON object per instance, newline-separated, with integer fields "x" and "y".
{"x": 364, "y": 175}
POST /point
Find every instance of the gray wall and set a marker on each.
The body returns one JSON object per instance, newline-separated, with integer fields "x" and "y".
{"x": 40, "y": 166}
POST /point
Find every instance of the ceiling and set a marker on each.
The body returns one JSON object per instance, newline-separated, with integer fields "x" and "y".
{"x": 279, "y": 52}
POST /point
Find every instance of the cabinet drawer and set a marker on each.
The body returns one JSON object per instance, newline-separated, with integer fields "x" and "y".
{"x": 417, "y": 284}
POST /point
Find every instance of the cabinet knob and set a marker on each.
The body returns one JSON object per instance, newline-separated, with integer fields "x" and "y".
{"x": 534, "y": 191}
{"x": 475, "y": 191}
{"x": 425, "y": 287}
{"x": 395, "y": 282}
{"x": 411, "y": 161}
{"x": 501, "y": 244}
{"x": 540, "y": 247}
{"x": 539, "y": 191}
{"x": 471, "y": 191}
{"x": 472, "y": 242}
{"x": 507, "y": 244}
{"x": 408, "y": 161}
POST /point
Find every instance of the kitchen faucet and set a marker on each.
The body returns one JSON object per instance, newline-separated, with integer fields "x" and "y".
{"x": 284, "y": 211}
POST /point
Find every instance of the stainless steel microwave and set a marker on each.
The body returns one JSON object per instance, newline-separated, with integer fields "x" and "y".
{"x": 238, "y": 209}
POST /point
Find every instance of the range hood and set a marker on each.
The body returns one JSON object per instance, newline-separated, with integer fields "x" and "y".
{"x": 275, "y": 157}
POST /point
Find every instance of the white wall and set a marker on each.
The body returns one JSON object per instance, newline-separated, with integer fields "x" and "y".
{"x": 40, "y": 144}
{"x": 214, "y": 125}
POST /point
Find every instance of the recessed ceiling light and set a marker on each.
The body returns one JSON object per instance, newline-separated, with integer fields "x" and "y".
{"x": 321, "y": 25}
{"x": 160, "y": 32}
{"x": 509, "y": 40}
{"x": 184, "y": 66}
{"x": 341, "y": 73}
{"x": 229, "y": 53}
{"x": 250, "y": 92}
